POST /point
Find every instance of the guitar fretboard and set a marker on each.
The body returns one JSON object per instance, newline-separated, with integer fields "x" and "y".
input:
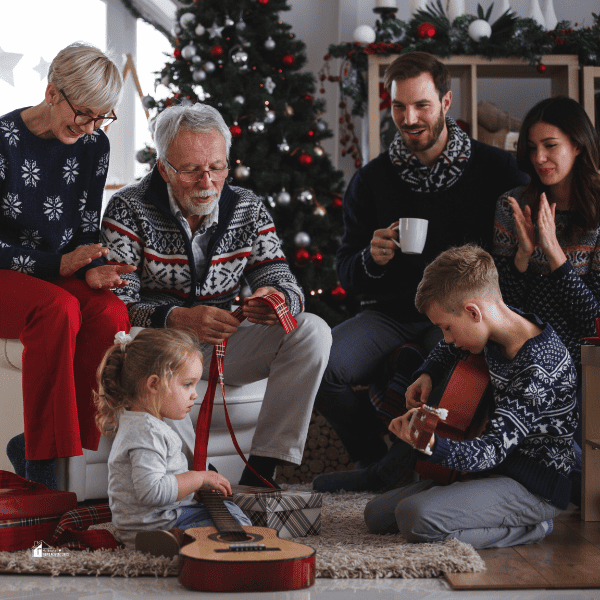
{"x": 227, "y": 526}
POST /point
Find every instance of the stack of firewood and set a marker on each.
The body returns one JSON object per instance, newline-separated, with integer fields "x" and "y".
{"x": 323, "y": 453}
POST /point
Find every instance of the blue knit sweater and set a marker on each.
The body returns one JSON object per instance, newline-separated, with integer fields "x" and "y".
{"x": 51, "y": 195}
{"x": 569, "y": 297}
{"x": 529, "y": 436}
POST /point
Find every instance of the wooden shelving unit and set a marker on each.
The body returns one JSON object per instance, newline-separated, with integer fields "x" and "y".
{"x": 591, "y": 85}
{"x": 562, "y": 70}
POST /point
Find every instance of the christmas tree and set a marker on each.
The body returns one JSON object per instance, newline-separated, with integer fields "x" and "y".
{"x": 241, "y": 58}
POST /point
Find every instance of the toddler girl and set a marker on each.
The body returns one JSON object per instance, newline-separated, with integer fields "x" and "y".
{"x": 141, "y": 382}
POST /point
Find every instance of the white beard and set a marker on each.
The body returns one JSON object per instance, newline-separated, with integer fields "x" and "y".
{"x": 197, "y": 208}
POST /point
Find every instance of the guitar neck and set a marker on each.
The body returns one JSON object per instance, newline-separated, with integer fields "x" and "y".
{"x": 224, "y": 522}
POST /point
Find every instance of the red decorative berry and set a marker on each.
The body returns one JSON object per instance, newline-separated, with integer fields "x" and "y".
{"x": 338, "y": 293}
{"x": 308, "y": 98}
{"x": 216, "y": 50}
{"x": 288, "y": 60}
{"x": 305, "y": 159}
{"x": 426, "y": 30}
{"x": 236, "y": 131}
{"x": 177, "y": 53}
{"x": 301, "y": 257}
{"x": 541, "y": 68}
{"x": 311, "y": 133}
{"x": 337, "y": 202}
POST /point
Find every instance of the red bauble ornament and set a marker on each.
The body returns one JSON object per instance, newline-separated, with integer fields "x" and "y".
{"x": 216, "y": 50}
{"x": 236, "y": 131}
{"x": 337, "y": 202}
{"x": 541, "y": 68}
{"x": 288, "y": 60}
{"x": 338, "y": 293}
{"x": 305, "y": 159}
{"x": 177, "y": 53}
{"x": 426, "y": 31}
{"x": 263, "y": 1}
{"x": 317, "y": 259}
{"x": 301, "y": 257}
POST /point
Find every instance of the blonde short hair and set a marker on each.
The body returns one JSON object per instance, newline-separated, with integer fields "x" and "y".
{"x": 87, "y": 76}
{"x": 455, "y": 274}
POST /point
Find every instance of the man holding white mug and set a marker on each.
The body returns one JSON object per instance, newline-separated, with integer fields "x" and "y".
{"x": 433, "y": 173}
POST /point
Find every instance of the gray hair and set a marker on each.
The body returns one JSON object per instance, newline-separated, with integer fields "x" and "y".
{"x": 87, "y": 76}
{"x": 198, "y": 118}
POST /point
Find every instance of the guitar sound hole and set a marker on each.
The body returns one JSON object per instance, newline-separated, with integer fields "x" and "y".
{"x": 235, "y": 537}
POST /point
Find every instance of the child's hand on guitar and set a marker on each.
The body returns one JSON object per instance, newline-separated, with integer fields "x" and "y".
{"x": 400, "y": 427}
{"x": 214, "y": 481}
{"x": 418, "y": 392}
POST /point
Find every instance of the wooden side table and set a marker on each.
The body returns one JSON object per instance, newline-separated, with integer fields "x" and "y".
{"x": 590, "y": 497}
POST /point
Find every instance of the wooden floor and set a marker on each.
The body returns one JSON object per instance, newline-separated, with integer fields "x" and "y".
{"x": 568, "y": 558}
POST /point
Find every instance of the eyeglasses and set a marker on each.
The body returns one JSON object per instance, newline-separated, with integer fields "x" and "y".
{"x": 81, "y": 118}
{"x": 194, "y": 176}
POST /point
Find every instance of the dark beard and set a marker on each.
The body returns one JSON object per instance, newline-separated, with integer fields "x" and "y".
{"x": 438, "y": 127}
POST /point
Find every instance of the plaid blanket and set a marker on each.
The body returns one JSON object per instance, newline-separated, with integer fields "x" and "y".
{"x": 72, "y": 530}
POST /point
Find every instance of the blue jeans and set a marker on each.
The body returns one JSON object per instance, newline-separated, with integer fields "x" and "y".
{"x": 360, "y": 348}
{"x": 196, "y": 515}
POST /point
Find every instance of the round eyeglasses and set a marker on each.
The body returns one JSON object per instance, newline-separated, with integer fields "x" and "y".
{"x": 197, "y": 175}
{"x": 82, "y": 118}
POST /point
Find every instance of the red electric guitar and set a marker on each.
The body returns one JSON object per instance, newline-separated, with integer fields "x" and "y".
{"x": 235, "y": 558}
{"x": 462, "y": 410}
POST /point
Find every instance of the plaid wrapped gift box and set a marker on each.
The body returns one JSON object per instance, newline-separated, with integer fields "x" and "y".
{"x": 292, "y": 513}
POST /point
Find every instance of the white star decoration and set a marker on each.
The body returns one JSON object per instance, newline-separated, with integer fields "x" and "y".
{"x": 8, "y": 61}
{"x": 214, "y": 30}
{"x": 42, "y": 68}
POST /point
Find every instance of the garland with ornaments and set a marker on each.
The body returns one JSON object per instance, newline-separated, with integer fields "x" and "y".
{"x": 443, "y": 32}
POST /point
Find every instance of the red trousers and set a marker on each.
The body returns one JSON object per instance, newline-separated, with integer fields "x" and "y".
{"x": 66, "y": 328}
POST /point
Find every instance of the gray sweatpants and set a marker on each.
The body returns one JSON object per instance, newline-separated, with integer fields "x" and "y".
{"x": 494, "y": 512}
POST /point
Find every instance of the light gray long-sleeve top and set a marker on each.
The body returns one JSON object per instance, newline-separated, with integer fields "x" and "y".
{"x": 142, "y": 487}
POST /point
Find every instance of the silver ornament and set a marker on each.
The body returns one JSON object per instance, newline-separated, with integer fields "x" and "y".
{"x": 284, "y": 146}
{"x": 187, "y": 19}
{"x": 228, "y": 21}
{"x": 209, "y": 67}
{"x": 215, "y": 31}
{"x": 239, "y": 99}
{"x": 175, "y": 30}
{"x": 200, "y": 29}
{"x": 270, "y": 116}
{"x": 270, "y": 43}
{"x": 196, "y": 59}
{"x": 321, "y": 125}
{"x": 271, "y": 201}
{"x": 302, "y": 239}
{"x": 148, "y": 102}
{"x": 305, "y": 196}
{"x": 240, "y": 57}
{"x": 240, "y": 25}
{"x": 198, "y": 76}
{"x": 188, "y": 51}
{"x": 269, "y": 85}
{"x": 257, "y": 127}
{"x": 241, "y": 172}
{"x": 283, "y": 198}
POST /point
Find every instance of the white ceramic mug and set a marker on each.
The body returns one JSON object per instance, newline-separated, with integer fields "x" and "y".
{"x": 412, "y": 234}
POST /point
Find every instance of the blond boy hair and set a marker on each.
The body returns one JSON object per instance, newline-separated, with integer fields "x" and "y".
{"x": 456, "y": 274}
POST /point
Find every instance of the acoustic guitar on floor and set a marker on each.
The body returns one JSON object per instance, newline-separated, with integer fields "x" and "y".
{"x": 234, "y": 558}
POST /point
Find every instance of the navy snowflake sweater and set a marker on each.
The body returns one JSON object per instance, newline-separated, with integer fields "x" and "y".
{"x": 51, "y": 196}
{"x": 529, "y": 436}
{"x": 567, "y": 298}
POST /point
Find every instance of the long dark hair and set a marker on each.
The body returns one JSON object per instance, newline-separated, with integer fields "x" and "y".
{"x": 569, "y": 116}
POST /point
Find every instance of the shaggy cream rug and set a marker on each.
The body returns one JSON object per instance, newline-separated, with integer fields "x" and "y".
{"x": 345, "y": 549}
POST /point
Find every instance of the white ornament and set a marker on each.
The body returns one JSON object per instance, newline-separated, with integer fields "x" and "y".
{"x": 187, "y": 19}
{"x": 550, "y": 15}
{"x": 284, "y": 146}
{"x": 240, "y": 25}
{"x": 479, "y": 29}
{"x": 215, "y": 31}
{"x": 269, "y": 85}
{"x": 209, "y": 66}
{"x": 456, "y": 8}
{"x": 189, "y": 51}
{"x": 283, "y": 198}
{"x": 535, "y": 12}
{"x": 305, "y": 196}
{"x": 302, "y": 239}
{"x": 200, "y": 92}
{"x": 270, "y": 116}
{"x": 240, "y": 57}
{"x": 8, "y": 61}
{"x": 364, "y": 34}
{"x": 239, "y": 99}
{"x": 270, "y": 43}
{"x": 228, "y": 21}
{"x": 199, "y": 29}
{"x": 241, "y": 172}
{"x": 257, "y": 127}
{"x": 416, "y": 5}
{"x": 198, "y": 76}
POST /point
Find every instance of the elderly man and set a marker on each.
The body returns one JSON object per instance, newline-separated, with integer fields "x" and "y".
{"x": 432, "y": 171}
{"x": 192, "y": 237}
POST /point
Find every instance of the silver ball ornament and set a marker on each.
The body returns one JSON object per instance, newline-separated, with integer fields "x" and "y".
{"x": 257, "y": 127}
{"x": 283, "y": 198}
{"x": 284, "y": 147}
{"x": 187, "y": 52}
{"x": 271, "y": 201}
{"x": 270, "y": 43}
{"x": 198, "y": 76}
{"x": 240, "y": 57}
{"x": 241, "y": 172}
{"x": 187, "y": 19}
{"x": 148, "y": 102}
{"x": 302, "y": 239}
{"x": 209, "y": 67}
{"x": 305, "y": 196}
{"x": 228, "y": 21}
{"x": 270, "y": 116}
{"x": 200, "y": 29}
{"x": 239, "y": 99}
{"x": 196, "y": 59}
{"x": 240, "y": 25}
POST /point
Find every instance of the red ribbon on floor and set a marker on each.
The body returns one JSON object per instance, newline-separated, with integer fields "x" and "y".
{"x": 216, "y": 374}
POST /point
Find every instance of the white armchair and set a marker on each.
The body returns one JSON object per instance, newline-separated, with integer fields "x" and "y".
{"x": 87, "y": 475}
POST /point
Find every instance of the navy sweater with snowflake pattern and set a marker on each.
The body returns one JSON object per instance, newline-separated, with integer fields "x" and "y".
{"x": 139, "y": 229}
{"x": 51, "y": 197}
{"x": 529, "y": 436}
{"x": 567, "y": 298}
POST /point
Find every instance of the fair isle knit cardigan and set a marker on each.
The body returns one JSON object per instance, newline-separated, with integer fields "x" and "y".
{"x": 139, "y": 229}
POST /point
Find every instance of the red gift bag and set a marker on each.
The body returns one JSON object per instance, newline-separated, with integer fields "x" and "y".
{"x": 29, "y": 511}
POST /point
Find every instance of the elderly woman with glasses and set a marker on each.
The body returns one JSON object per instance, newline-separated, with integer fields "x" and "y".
{"x": 56, "y": 293}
